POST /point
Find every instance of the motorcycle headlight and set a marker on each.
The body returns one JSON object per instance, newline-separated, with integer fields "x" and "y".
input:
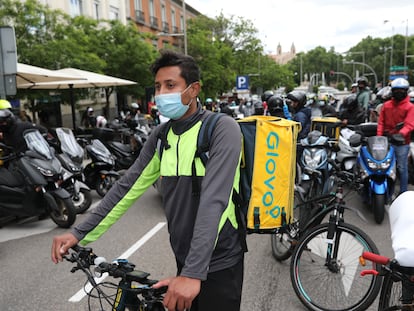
{"x": 385, "y": 165}
{"x": 312, "y": 162}
{"x": 45, "y": 172}
{"x": 372, "y": 165}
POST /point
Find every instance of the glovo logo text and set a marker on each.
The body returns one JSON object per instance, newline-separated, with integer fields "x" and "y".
{"x": 272, "y": 154}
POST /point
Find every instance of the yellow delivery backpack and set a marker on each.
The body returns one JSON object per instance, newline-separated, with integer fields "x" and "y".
{"x": 267, "y": 172}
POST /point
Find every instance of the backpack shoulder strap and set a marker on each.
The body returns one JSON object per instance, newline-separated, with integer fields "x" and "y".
{"x": 162, "y": 142}
{"x": 204, "y": 136}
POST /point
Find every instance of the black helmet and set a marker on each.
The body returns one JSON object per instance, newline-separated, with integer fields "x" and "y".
{"x": 258, "y": 108}
{"x": 351, "y": 102}
{"x": 6, "y": 119}
{"x": 297, "y": 96}
{"x": 275, "y": 104}
{"x": 362, "y": 80}
{"x": 266, "y": 95}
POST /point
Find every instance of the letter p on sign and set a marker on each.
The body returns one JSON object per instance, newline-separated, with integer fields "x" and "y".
{"x": 242, "y": 83}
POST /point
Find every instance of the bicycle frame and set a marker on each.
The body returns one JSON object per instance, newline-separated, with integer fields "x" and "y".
{"x": 392, "y": 272}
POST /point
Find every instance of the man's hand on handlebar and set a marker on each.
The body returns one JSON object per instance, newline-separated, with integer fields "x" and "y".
{"x": 61, "y": 245}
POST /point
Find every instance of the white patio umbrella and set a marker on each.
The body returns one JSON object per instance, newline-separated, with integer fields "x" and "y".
{"x": 28, "y": 75}
{"x": 90, "y": 80}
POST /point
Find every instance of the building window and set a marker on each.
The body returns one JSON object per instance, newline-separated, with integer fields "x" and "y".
{"x": 154, "y": 19}
{"x": 138, "y": 5}
{"x": 165, "y": 25}
{"x": 76, "y": 8}
{"x": 173, "y": 22}
{"x": 96, "y": 6}
{"x": 182, "y": 23}
{"x": 113, "y": 13}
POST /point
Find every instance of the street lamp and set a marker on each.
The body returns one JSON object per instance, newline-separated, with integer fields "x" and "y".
{"x": 361, "y": 52}
{"x": 406, "y": 43}
{"x": 385, "y": 49}
{"x": 363, "y": 64}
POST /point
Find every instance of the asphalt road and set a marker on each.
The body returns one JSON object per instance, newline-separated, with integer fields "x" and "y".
{"x": 30, "y": 281}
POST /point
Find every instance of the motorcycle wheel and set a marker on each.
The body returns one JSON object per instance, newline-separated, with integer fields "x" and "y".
{"x": 63, "y": 214}
{"x": 104, "y": 184}
{"x": 83, "y": 202}
{"x": 378, "y": 207}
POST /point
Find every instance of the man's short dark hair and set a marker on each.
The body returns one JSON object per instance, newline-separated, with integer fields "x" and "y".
{"x": 188, "y": 66}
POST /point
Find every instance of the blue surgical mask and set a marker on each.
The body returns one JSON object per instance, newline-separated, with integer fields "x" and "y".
{"x": 170, "y": 105}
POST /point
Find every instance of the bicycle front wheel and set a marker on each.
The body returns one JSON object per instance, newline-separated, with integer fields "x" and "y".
{"x": 285, "y": 239}
{"x": 337, "y": 285}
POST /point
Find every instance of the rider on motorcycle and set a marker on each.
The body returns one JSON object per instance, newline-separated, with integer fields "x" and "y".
{"x": 398, "y": 111}
{"x": 7, "y": 120}
{"x": 352, "y": 113}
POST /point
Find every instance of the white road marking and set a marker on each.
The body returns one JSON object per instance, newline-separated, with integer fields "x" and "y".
{"x": 82, "y": 292}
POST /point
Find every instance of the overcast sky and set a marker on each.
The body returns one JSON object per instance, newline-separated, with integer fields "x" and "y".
{"x": 311, "y": 23}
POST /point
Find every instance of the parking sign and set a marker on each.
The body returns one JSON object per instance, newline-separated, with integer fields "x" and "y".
{"x": 242, "y": 83}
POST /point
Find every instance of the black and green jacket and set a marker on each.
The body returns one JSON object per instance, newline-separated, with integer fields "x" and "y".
{"x": 202, "y": 227}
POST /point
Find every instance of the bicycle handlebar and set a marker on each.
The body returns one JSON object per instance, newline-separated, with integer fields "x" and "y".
{"x": 379, "y": 259}
{"x": 120, "y": 268}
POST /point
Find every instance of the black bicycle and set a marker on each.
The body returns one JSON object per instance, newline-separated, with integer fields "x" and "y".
{"x": 397, "y": 291}
{"x": 310, "y": 209}
{"x": 125, "y": 295}
{"x": 325, "y": 266}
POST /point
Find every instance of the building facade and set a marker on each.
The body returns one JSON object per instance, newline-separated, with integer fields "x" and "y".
{"x": 165, "y": 19}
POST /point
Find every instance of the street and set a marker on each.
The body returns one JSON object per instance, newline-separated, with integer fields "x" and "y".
{"x": 30, "y": 281}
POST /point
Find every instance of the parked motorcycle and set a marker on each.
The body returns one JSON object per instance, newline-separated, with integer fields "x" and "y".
{"x": 99, "y": 173}
{"x": 376, "y": 168}
{"x": 70, "y": 155}
{"x": 124, "y": 154}
{"x": 39, "y": 193}
{"x": 349, "y": 145}
{"x": 317, "y": 149}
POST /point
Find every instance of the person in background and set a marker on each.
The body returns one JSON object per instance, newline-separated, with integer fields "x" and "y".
{"x": 354, "y": 88}
{"x": 352, "y": 114}
{"x": 88, "y": 118}
{"x": 363, "y": 94}
{"x": 24, "y": 116}
{"x": 302, "y": 114}
{"x": 397, "y": 117}
{"x": 204, "y": 235}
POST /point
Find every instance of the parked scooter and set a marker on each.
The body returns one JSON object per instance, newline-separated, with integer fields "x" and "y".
{"x": 40, "y": 194}
{"x": 125, "y": 154}
{"x": 70, "y": 155}
{"x": 29, "y": 199}
{"x": 376, "y": 168}
{"x": 317, "y": 150}
{"x": 349, "y": 145}
{"x": 99, "y": 173}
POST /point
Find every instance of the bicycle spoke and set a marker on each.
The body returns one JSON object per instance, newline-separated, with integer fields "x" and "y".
{"x": 333, "y": 284}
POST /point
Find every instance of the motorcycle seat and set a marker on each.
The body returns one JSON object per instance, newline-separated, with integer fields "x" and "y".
{"x": 120, "y": 147}
{"x": 12, "y": 190}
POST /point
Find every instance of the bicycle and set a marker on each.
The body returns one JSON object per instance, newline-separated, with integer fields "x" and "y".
{"x": 119, "y": 297}
{"x": 310, "y": 209}
{"x": 397, "y": 288}
{"x": 325, "y": 260}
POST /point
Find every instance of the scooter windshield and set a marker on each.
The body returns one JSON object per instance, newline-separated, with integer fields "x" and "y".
{"x": 68, "y": 143}
{"x": 36, "y": 142}
{"x": 378, "y": 147}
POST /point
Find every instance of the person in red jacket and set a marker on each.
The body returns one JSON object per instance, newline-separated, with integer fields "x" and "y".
{"x": 397, "y": 117}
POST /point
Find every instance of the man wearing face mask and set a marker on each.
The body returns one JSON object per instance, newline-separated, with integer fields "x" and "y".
{"x": 397, "y": 117}
{"x": 197, "y": 200}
